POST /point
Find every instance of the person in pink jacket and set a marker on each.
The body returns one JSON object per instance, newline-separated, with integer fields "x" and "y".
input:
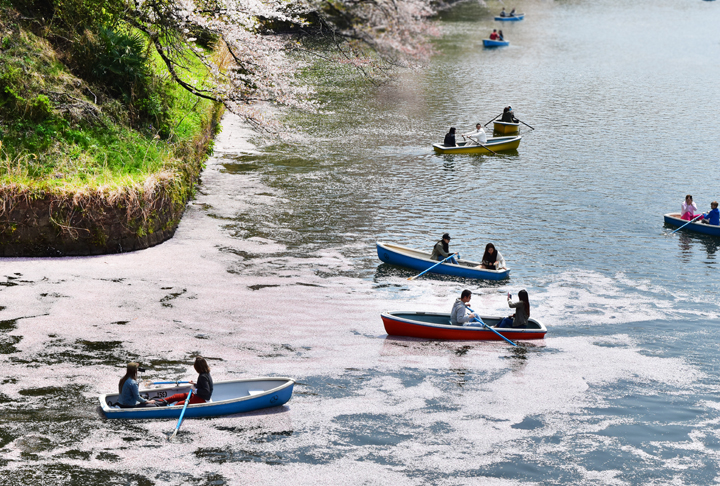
{"x": 688, "y": 209}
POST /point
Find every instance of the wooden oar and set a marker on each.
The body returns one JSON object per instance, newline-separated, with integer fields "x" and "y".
{"x": 531, "y": 128}
{"x": 691, "y": 221}
{"x": 182, "y": 414}
{"x": 493, "y": 330}
{"x": 488, "y": 123}
{"x": 438, "y": 263}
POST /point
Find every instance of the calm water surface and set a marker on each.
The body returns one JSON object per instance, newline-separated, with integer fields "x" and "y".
{"x": 273, "y": 271}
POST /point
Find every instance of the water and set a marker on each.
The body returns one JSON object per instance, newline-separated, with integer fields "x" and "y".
{"x": 273, "y": 272}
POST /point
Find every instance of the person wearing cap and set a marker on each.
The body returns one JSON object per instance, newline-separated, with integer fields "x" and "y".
{"x": 459, "y": 315}
{"x": 508, "y": 116}
{"x": 450, "y": 138}
{"x": 442, "y": 250}
{"x": 128, "y": 387}
{"x": 477, "y": 136}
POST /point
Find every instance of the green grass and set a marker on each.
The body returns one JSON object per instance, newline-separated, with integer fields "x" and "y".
{"x": 54, "y": 136}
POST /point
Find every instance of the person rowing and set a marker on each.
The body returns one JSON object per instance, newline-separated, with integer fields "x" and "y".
{"x": 494, "y": 35}
{"x": 508, "y": 116}
{"x": 442, "y": 250}
{"x": 503, "y": 13}
{"x": 459, "y": 315}
{"x": 477, "y": 136}
{"x": 203, "y": 389}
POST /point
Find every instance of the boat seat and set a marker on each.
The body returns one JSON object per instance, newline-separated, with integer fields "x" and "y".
{"x": 255, "y": 392}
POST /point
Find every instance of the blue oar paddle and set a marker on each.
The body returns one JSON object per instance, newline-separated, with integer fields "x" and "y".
{"x": 182, "y": 414}
{"x": 493, "y": 330}
{"x": 438, "y": 263}
{"x": 681, "y": 227}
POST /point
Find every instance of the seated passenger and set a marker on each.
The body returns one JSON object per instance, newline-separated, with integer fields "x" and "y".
{"x": 492, "y": 259}
{"x": 450, "y": 138}
{"x": 522, "y": 312}
{"x": 508, "y": 116}
{"x": 494, "y": 35}
{"x": 512, "y": 13}
{"x": 500, "y": 35}
{"x": 503, "y": 14}
{"x": 441, "y": 250}
{"x": 712, "y": 217}
{"x": 477, "y": 136}
{"x": 688, "y": 209}
{"x": 459, "y": 315}
{"x": 129, "y": 393}
{"x": 203, "y": 390}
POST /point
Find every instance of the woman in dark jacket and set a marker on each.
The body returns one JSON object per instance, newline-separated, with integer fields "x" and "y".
{"x": 203, "y": 388}
{"x": 450, "y": 138}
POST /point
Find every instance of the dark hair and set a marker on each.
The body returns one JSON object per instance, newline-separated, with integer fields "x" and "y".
{"x": 465, "y": 293}
{"x": 523, "y": 296}
{"x": 131, "y": 372}
{"x": 688, "y": 196}
{"x": 487, "y": 257}
{"x": 201, "y": 365}
{"x": 452, "y": 129}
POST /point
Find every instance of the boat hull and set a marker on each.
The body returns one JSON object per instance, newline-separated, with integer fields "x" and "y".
{"x": 495, "y": 43}
{"x": 229, "y": 397}
{"x": 505, "y": 128}
{"x": 429, "y": 325}
{"x": 496, "y": 144}
{"x": 514, "y": 18}
{"x": 673, "y": 219}
{"x": 417, "y": 260}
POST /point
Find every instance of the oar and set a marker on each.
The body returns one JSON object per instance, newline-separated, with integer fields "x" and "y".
{"x": 493, "y": 330}
{"x": 481, "y": 145}
{"x": 488, "y": 123}
{"x": 438, "y": 263}
{"x": 168, "y": 382}
{"x": 182, "y": 414}
{"x": 526, "y": 124}
{"x": 681, "y": 227}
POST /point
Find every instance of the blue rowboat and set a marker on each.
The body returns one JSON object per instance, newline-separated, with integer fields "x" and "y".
{"x": 514, "y": 18}
{"x": 420, "y": 260}
{"x": 673, "y": 219}
{"x": 233, "y": 396}
{"x": 495, "y": 43}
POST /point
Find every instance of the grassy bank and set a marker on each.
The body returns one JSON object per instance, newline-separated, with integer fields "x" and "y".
{"x": 115, "y": 138}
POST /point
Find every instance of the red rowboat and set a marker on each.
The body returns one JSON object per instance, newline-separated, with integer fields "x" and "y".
{"x": 433, "y": 325}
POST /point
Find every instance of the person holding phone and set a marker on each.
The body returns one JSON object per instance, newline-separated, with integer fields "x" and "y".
{"x": 522, "y": 311}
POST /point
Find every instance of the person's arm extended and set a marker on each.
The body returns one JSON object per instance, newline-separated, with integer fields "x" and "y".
{"x": 515, "y": 305}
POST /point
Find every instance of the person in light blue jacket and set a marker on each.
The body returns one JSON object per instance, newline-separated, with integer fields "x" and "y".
{"x": 713, "y": 216}
{"x": 129, "y": 392}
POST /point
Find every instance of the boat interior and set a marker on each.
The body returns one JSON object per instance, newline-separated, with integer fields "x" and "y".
{"x": 228, "y": 390}
{"x": 444, "y": 319}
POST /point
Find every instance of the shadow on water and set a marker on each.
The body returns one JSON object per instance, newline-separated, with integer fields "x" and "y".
{"x": 386, "y": 271}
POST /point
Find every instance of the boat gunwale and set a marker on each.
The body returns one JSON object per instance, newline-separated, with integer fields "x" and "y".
{"x": 495, "y": 143}
{"x": 389, "y": 246}
{"x": 287, "y": 382}
{"x": 506, "y": 123}
{"x": 677, "y": 221}
{"x": 511, "y": 18}
{"x": 391, "y": 315}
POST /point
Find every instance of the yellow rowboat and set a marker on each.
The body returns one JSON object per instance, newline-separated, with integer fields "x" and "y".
{"x": 496, "y": 144}
{"x": 505, "y": 128}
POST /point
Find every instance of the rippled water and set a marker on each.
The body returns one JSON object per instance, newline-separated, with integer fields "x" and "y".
{"x": 273, "y": 271}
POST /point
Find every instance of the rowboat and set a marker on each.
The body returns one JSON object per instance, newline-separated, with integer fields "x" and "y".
{"x": 514, "y": 18}
{"x": 495, "y": 43}
{"x": 673, "y": 219}
{"x": 496, "y": 144}
{"x": 232, "y": 396}
{"x": 434, "y": 325}
{"x": 420, "y": 260}
{"x": 505, "y": 128}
